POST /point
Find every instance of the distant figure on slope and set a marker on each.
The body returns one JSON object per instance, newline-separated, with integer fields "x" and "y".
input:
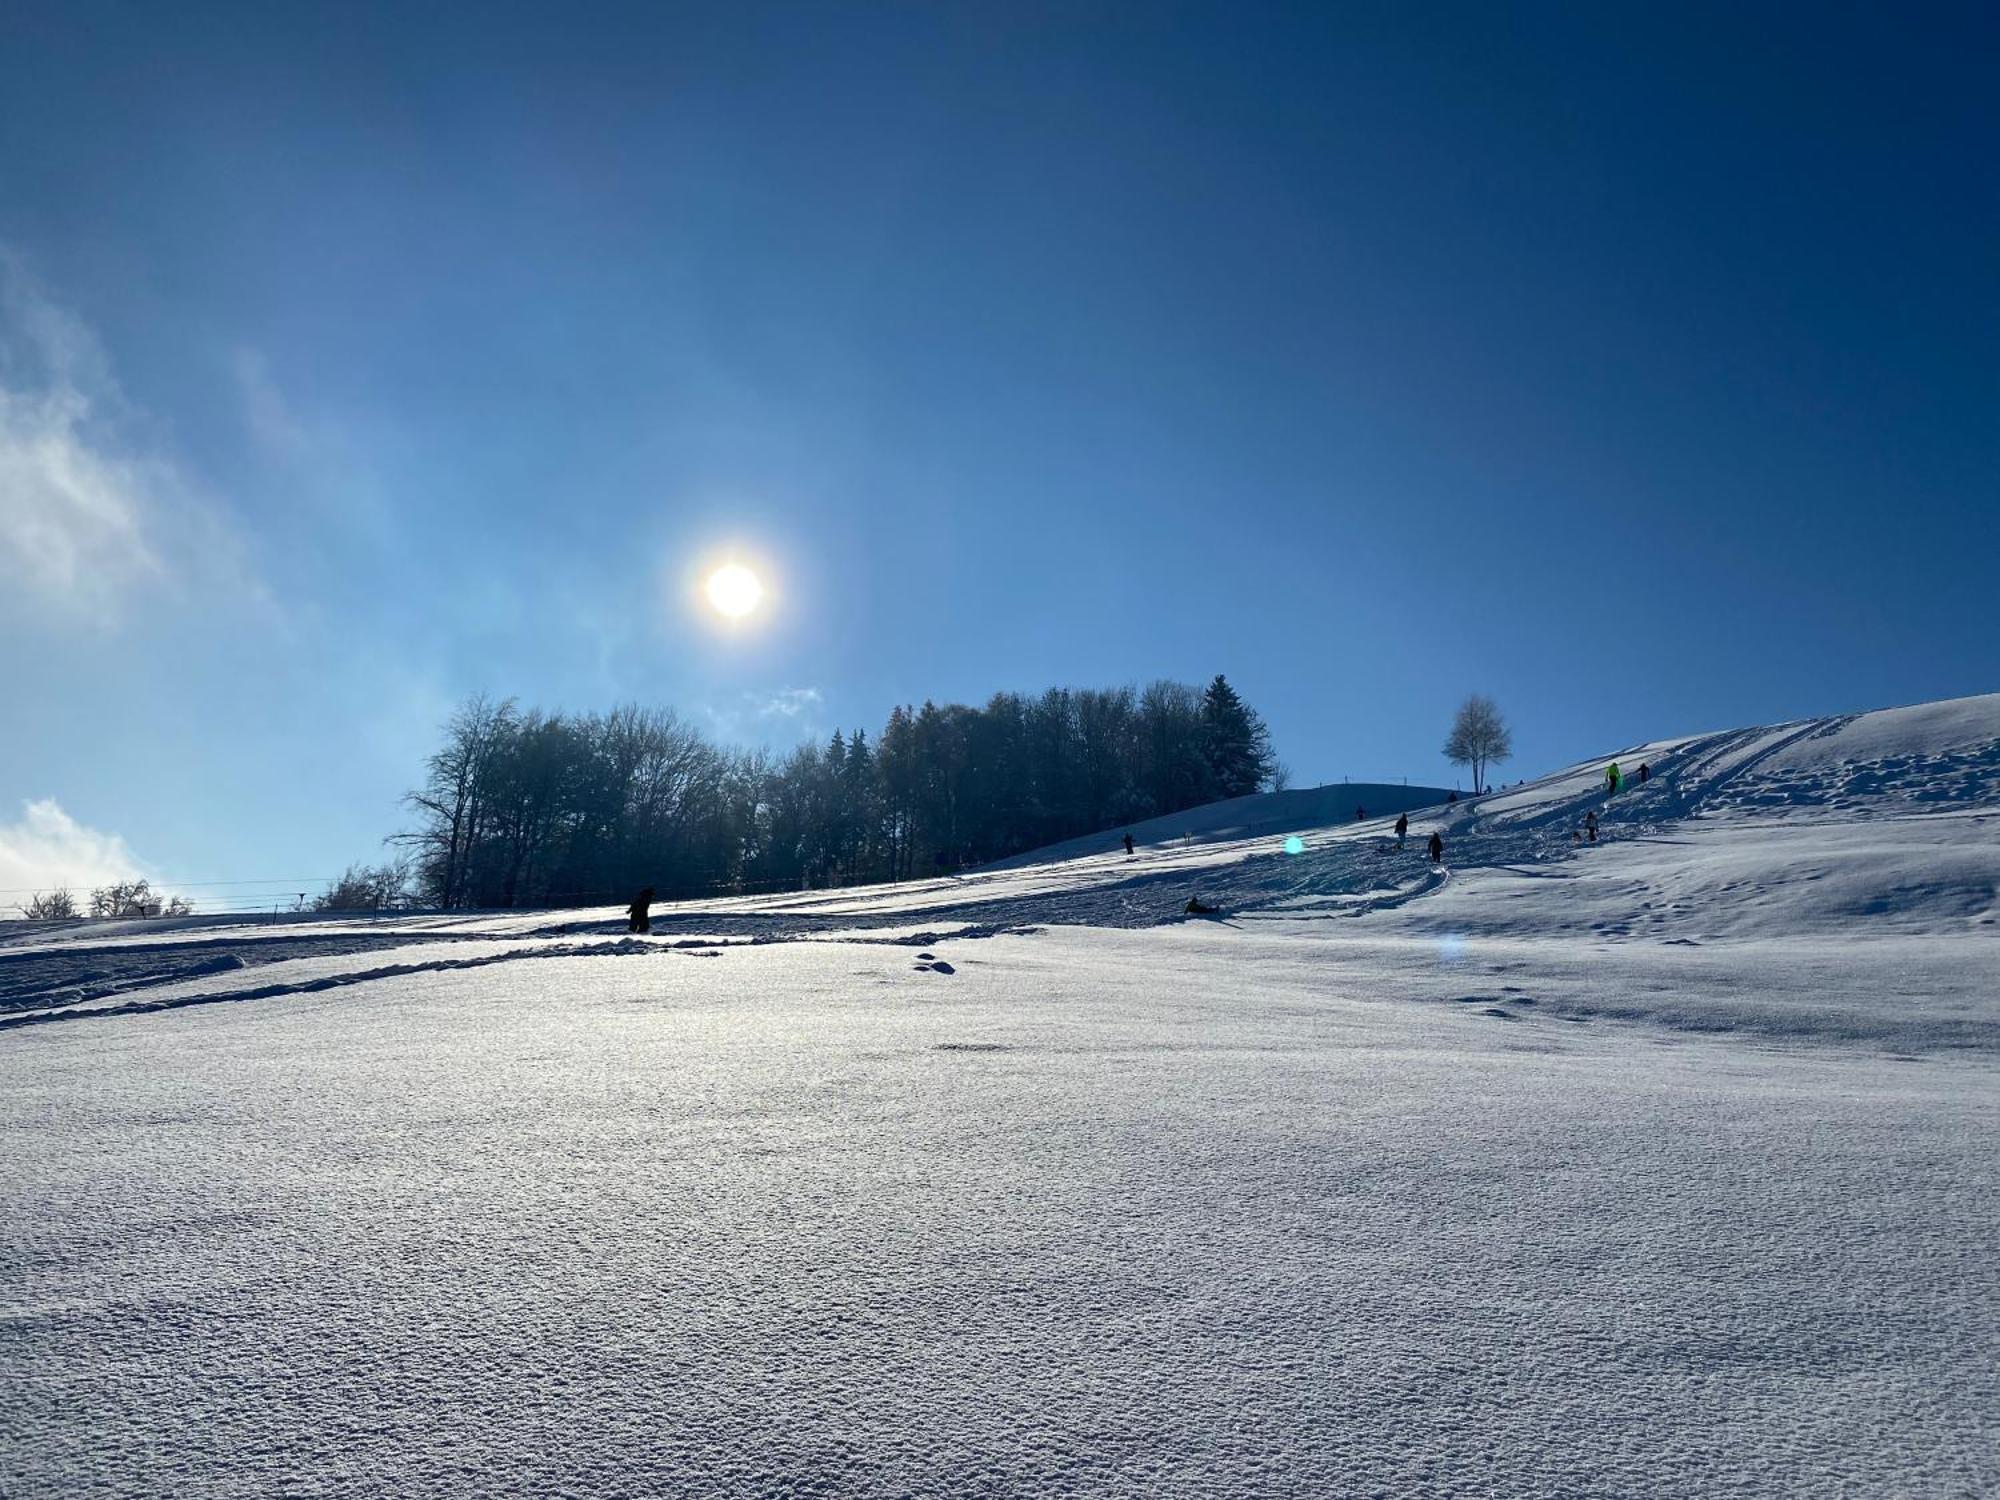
{"x": 1644, "y": 771}
{"x": 1128, "y": 846}
{"x": 1454, "y": 795}
{"x": 1197, "y": 908}
{"x": 1611, "y": 779}
{"x": 1437, "y": 849}
{"x": 641, "y": 911}
{"x": 1361, "y": 815}
{"x": 1402, "y": 828}
{"x": 1590, "y": 824}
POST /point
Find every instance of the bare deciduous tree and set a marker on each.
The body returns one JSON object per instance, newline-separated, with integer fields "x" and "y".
{"x": 367, "y": 888}
{"x": 50, "y": 906}
{"x": 449, "y": 799}
{"x": 125, "y": 898}
{"x": 1478, "y": 738}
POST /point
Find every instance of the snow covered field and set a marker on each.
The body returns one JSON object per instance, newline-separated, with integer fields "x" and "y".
{"x": 1659, "y": 1167}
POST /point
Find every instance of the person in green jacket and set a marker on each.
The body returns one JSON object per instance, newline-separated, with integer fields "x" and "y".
{"x": 1611, "y": 777}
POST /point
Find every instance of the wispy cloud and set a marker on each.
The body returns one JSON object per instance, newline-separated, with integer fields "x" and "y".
{"x": 90, "y": 515}
{"x": 794, "y": 712}
{"x": 792, "y": 703}
{"x": 48, "y": 850}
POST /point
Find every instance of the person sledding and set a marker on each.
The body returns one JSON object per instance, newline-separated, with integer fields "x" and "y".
{"x": 1197, "y": 907}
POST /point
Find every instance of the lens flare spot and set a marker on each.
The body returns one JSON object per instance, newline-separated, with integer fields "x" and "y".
{"x": 1295, "y": 845}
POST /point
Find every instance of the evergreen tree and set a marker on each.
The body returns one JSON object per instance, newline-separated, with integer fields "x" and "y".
{"x": 861, "y": 806}
{"x": 896, "y": 772}
{"x": 1235, "y": 743}
{"x": 835, "y": 824}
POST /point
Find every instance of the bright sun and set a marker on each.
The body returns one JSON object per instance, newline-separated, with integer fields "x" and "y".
{"x": 734, "y": 590}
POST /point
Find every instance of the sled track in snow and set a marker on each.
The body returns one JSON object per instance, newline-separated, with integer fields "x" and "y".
{"x": 341, "y": 981}
{"x": 624, "y": 948}
{"x": 1344, "y": 906}
{"x": 35, "y": 978}
{"x": 1710, "y": 786}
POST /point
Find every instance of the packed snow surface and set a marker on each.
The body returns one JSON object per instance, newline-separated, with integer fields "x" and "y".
{"x": 1659, "y": 1166}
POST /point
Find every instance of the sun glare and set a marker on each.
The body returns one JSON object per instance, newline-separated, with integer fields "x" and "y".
{"x": 734, "y": 590}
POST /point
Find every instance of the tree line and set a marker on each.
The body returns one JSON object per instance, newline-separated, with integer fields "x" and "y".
{"x": 122, "y": 898}
{"x": 522, "y": 807}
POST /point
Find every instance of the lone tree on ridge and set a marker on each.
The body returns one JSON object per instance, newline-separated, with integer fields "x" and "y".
{"x": 1478, "y": 738}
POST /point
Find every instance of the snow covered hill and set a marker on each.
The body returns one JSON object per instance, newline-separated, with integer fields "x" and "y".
{"x": 1261, "y": 815}
{"x": 1659, "y": 1166}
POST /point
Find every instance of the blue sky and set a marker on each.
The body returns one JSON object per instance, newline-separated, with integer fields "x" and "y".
{"x": 1638, "y": 369}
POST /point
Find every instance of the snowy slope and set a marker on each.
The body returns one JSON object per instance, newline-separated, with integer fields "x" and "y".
{"x": 1262, "y": 815}
{"x": 1660, "y": 1167}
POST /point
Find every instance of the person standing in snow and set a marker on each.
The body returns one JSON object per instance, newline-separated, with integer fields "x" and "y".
{"x": 1611, "y": 779}
{"x": 1644, "y": 771}
{"x": 1128, "y": 846}
{"x": 1437, "y": 849}
{"x": 1590, "y": 824}
{"x": 641, "y": 912}
{"x": 1402, "y": 828}
{"x": 1361, "y": 815}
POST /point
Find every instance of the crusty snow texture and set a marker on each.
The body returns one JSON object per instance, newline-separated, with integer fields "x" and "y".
{"x": 1660, "y": 1167}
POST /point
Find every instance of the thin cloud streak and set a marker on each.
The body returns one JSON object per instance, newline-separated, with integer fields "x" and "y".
{"x": 91, "y": 521}
{"x": 790, "y": 703}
